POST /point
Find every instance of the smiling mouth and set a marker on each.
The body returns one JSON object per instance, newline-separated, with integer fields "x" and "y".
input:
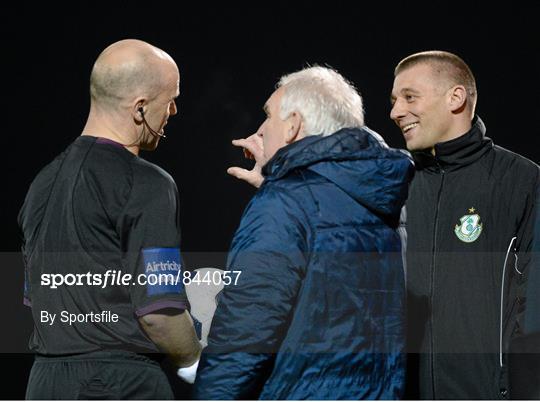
{"x": 409, "y": 127}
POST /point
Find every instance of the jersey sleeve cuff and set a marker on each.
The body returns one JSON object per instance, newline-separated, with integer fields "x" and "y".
{"x": 160, "y": 305}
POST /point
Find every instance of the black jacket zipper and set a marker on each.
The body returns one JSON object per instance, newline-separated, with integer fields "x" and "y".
{"x": 434, "y": 250}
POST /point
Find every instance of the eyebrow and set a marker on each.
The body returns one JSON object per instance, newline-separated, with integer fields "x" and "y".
{"x": 403, "y": 91}
{"x": 414, "y": 91}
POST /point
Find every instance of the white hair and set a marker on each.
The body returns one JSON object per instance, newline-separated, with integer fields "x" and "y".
{"x": 326, "y": 101}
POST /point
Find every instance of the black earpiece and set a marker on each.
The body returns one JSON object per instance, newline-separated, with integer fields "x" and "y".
{"x": 153, "y": 132}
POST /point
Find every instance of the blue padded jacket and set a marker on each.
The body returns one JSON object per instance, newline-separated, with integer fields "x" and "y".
{"x": 318, "y": 310}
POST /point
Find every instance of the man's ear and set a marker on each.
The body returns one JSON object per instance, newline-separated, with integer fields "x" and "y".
{"x": 457, "y": 98}
{"x": 295, "y": 124}
{"x": 137, "y": 109}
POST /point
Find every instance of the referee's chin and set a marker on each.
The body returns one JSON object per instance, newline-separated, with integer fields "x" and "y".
{"x": 151, "y": 145}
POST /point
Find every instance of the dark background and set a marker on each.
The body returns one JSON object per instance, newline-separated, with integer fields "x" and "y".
{"x": 230, "y": 57}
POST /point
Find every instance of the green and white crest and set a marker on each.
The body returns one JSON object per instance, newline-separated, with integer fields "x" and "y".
{"x": 470, "y": 228}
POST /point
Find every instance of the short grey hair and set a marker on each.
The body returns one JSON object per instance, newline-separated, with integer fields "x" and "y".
{"x": 326, "y": 101}
{"x": 136, "y": 75}
{"x": 111, "y": 85}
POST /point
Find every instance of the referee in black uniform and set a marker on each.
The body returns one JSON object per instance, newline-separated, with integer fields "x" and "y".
{"x": 101, "y": 243}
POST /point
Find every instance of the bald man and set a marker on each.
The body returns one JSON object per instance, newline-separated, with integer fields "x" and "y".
{"x": 101, "y": 243}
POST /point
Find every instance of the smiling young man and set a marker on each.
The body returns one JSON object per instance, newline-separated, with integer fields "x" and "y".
{"x": 470, "y": 224}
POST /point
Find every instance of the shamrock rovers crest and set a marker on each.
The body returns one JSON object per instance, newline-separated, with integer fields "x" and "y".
{"x": 469, "y": 230}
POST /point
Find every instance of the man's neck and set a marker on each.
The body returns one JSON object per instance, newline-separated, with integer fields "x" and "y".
{"x": 460, "y": 128}
{"x": 102, "y": 128}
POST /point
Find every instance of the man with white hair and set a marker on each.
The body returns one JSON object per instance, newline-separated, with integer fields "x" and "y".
{"x": 317, "y": 311}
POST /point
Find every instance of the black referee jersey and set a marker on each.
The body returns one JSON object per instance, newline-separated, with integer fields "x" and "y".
{"x": 94, "y": 215}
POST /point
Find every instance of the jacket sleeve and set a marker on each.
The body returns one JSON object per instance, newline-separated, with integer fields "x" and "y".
{"x": 524, "y": 359}
{"x": 252, "y": 315}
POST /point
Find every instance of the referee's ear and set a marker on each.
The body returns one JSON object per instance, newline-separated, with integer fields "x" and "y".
{"x": 137, "y": 109}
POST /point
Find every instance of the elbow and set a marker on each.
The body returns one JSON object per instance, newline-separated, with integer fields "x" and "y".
{"x": 189, "y": 357}
{"x": 153, "y": 321}
{"x": 174, "y": 335}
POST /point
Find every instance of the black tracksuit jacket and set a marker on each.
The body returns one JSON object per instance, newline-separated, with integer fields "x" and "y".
{"x": 471, "y": 223}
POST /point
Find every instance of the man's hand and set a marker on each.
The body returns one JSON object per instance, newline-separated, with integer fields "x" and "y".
{"x": 253, "y": 149}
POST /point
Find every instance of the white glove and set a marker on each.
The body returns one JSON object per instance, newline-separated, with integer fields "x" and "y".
{"x": 188, "y": 374}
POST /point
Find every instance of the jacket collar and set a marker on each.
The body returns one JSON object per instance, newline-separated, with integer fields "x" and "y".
{"x": 456, "y": 153}
{"x": 356, "y": 160}
{"x": 345, "y": 144}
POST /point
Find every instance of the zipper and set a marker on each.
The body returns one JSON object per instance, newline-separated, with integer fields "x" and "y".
{"x": 434, "y": 250}
{"x": 502, "y": 302}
